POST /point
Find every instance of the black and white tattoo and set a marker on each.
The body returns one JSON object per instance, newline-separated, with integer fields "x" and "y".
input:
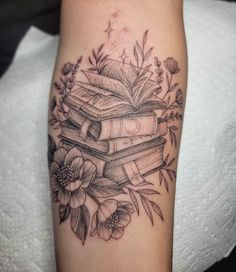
{"x": 113, "y": 128}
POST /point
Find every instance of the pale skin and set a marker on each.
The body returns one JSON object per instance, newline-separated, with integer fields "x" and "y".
{"x": 143, "y": 246}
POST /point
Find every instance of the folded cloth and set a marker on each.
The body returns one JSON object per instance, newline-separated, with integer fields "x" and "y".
{"x": 205, "y": 213}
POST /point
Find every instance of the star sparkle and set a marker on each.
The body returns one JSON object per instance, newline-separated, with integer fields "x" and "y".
{"x": 123, "y": 56}
{"x": 108, "y": 30}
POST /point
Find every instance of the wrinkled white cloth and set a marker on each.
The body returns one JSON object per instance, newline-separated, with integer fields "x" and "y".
{"x": 205, "y": 212}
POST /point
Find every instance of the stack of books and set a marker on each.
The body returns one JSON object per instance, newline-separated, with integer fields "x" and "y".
{"x": 114, "y": 126}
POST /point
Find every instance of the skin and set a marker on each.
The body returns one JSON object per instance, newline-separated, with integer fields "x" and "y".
{"x": 143, "y": 247}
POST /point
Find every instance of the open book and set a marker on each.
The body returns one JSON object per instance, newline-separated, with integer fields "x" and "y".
{"x": 110, "y": 94}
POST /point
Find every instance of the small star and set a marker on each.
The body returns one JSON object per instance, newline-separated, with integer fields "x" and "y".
{"x": 115, "y": 14}
{"x": 123, "y": 56}
{"x": 108, "y": 30}
{"x": 125, "y": 29}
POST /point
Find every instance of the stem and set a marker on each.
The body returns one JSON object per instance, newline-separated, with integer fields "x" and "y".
{"x": 94, "y": 199}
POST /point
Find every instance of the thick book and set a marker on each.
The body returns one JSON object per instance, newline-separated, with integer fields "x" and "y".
{"x": 114, "y": 93}
{"x": 131, "y": 164}
{"x": 129, "y": 126}
{"x": 72, "y": 133}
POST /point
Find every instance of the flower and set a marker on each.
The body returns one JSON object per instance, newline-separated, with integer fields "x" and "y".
{"x": 110, "y": 219}
{"x": 179, "y": 98}
{"x": 67, "y": 68}
{"x": 70, "y": 175}
{"x": 171, "y": 65}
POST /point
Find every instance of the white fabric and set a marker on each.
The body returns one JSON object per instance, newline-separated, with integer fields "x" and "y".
{"x": 205, "y": 215}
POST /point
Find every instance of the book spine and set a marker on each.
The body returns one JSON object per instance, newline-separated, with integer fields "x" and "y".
{"x": 128, "y": 127}
{"x": 118, "y": 144}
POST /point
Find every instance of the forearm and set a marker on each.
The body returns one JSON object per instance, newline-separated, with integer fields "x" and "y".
{"x": 114, "y": 192}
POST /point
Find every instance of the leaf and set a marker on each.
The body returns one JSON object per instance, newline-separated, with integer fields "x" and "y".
{"x": 134, "y": 200}
{"x": 173, "y": 87}
{"x": 134, "y": 68}
{"x": 94, "y": 225}
{"x": 94, "y": 55}
{"x": 166, "y": 158}
{"x": 146, "y": 69}
{"x": 64, "y": 212}
{"x": 166, "y": 185}
{"x": 169, "y": 174}
{"x": 104, "y": 58}
{"x": 171, "y": 162}
{"x": 90, "y": 61}
{"x": 148, "y": 54}
{"x": 139, "y": 49}
{"x": 99, "y": 57}
{"x": 145, "y": 38}
{"x": 103, "y": 187}
{"x": 147, "y": 191}
{"x": 147, "y": 208}
{"x": 100, "y": 48}
{"x": 80, "y": 219}
{"x": 157, "y": 210}
{"x": 160, "y": 177}
{"x": 168, "y": 81}
{"x": 135, "y": 54}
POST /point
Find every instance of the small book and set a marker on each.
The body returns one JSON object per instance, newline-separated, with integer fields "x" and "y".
{"x": 129, "y": 126}
{"x": 72, "y": 133}
{"x": 130, "y": 164}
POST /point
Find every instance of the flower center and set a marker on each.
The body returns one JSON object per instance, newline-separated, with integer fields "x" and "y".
{"x": 112, "y": 221}
{"x": 65, "y": 175}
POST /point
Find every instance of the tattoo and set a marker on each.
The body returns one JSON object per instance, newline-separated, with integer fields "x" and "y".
{"x": 113, "y": 130}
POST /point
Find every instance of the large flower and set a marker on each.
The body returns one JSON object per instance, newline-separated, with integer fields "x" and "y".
{"x": 110, "y": 219}
{"x": 70, "y": 175}
{"x": 171, "y": 65}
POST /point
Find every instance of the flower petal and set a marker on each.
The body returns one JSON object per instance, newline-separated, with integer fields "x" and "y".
{"x": 126, "y": 206}
{"x": 104, "y": 232}
{"x": 64, "y": 196}
{"x": 88, "y": 173}
{"x": 54, "y": 184}
{"x": 74, "y": 185}
{"x": 123, "y": 220}
{"x": 73, "y": 153}
{"x": 76, "y": 164}
{"x": 117, "y": 233}
{"x": 77, "y": 198}
{"x": 106, "y": 209}
{"x": 94, "y": 225}
{"x": 59, "y": 156}
{"x": 54, "y": 167}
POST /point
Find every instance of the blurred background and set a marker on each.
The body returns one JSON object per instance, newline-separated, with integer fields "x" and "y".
{"x": 16, "y": 17}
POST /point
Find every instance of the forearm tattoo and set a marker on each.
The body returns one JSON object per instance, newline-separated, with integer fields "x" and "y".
{"x": 108, "y": 135}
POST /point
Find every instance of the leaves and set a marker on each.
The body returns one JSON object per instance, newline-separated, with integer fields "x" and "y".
{"x": 98, "y": 60}
{"x": 148, "y": 54}
{"x": 162, "y": 179}
{"x": 64, "y": 212}
{"x": 157, "y": 210}
{"x": 103, "y": 187}
{"x": 147, "y": 208}
{"x": 172, "y": 88}
{"x": 145, "y": 38}
{"x": 80, "y": 219}
{"x": 148, "y": 191}
{"x": 134, "y": 200}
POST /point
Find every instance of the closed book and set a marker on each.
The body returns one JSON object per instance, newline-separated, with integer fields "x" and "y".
{"x": 131, "y": 164}
{"x": 128, "y": 126}
{"x": 72, "y": 133}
